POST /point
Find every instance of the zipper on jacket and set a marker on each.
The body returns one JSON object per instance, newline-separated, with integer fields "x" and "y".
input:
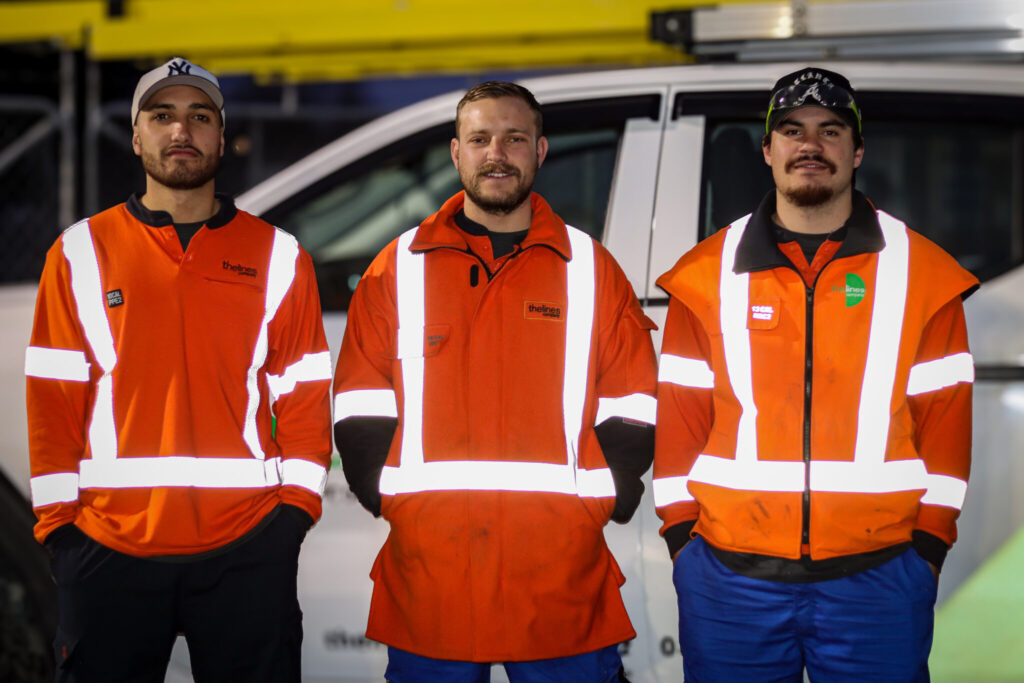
{"x": 805, "y": 535}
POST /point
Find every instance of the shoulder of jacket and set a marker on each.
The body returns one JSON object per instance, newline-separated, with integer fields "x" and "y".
{"x": 699, "y": 263}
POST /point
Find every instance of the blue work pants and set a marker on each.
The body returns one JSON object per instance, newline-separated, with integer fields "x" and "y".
{"x": 875, "y": 625}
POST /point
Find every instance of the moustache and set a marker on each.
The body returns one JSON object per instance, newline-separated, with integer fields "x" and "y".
{"x": 497, "y": 168}
{"x": 811, "y": 157}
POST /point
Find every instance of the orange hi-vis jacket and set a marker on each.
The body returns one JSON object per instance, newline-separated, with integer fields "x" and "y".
{"x": 495, "y": 486}
{"x": 154, "y": 375}
{"x": 826, "y": 421}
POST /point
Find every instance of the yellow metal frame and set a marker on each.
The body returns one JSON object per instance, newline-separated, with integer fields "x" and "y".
{"x": 301, "y": 40}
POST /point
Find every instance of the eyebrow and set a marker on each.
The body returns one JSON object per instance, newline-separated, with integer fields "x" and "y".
{"x": 167, "y": 105}
{"x": 827, "y": 122}
{"x": 505, "y": 131}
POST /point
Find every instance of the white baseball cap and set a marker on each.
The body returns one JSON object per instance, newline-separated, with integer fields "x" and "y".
{"x": 176, "y": 71}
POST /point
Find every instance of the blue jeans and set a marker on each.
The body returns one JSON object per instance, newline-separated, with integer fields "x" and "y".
{"x": 600, "y": 666}
{"x": 873, "y": 626}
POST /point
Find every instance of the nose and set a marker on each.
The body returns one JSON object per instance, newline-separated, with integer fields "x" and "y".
{"x": 180, "y": 132}
{"x": 812, "y": 141}
{"x": 496, "y": 149}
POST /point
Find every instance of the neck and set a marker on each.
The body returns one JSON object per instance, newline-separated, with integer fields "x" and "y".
{"x": 814, "y": 220}
{"x": 185, "y": 206}
{"x": 514, "y": 221}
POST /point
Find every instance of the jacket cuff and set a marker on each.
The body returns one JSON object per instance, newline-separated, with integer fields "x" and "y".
{"x": 932, "y": 548}
{"x": 678, "y": 536}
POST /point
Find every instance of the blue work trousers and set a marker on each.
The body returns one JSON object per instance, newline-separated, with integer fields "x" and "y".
{"x": 600, "y": 666}
{"x": 873, "y": 626}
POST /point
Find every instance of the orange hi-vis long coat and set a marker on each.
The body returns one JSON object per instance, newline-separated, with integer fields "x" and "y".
{"x": 154, "y": 375}
{"x": 826, "y": 421}
{"x": 495, "y": 486}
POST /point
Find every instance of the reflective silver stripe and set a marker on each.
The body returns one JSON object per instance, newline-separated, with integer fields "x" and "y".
{"x": 734, "y": 291}
{"x": 87, "y": 289}
{"x": 946, "y": 491}
{"x": 763, "y": 475}
{"x": 669, "y": 490}
{"x": 280, "y": 275}
{"x": 308, "y": 475}
{"x": 410, "y": 280}
{"x": 940, "y": 373}
{"x": 639, "y": 407}
{"x": 874, "y": 411}
{"x": 62, "y": 364}
{"x": 181, "y": 470}
{"x": 312, "y": 367}
{"x": 579, "y": 326}
{"x": 484, "y": 475}
{"x": 414, "y": 475}
{"x": 686, "y": 372}
{"x": 365, "y": 403}
{"x": 48, "y": 489}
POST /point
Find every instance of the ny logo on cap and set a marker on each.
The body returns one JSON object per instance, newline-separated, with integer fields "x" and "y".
{"x": 182, "y": 68}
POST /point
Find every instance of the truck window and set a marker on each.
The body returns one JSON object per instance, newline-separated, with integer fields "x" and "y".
{"x": 951, "y": 168}
{"x": 347, "y": 218}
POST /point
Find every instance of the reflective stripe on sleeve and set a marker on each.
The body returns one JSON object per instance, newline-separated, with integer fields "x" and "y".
{"x": 312, "y": 367}
{"x": 365, "y": 403}
{"x": 946, "y": 491}
{"x": 180, "y": 470}
{"x": 61, "y": 364}
{"x": 940, "y": 373}
{"x": 639, "y": 407}
{"x": 87, "y": 289}
{"x": 303, "y": 473}
{"x": 280, "y": 275}
{"x": 686, "y": 372}
{"x": 48, "y": 489}
{"x": 669, "y": 490}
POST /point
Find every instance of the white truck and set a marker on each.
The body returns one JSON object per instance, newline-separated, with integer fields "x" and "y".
{"x": 650, "y": 161}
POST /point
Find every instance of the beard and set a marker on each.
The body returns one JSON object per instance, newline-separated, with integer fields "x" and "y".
{"x": 810, "y": 194}
{"x": 180, "y": 174}
{"x": 499, "y": 203}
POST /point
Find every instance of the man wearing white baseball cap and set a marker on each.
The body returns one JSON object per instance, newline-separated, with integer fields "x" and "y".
{"x": 170, "y": 332}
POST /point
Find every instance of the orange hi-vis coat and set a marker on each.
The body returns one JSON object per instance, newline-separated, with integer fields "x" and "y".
{"x": 154, "y": 374}
{"x": 878, "y": 347}
{"x": 495, "y": 486}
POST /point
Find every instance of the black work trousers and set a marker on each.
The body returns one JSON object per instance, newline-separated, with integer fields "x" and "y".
{"x": 238, "y": 610}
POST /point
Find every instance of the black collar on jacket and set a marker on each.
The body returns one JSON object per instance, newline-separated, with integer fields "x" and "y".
{"x": 758, "y": 249}
{"x": 160, "y": 219}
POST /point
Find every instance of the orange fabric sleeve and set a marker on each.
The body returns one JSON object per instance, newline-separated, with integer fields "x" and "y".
{"x": 942, "y": 418}
{"x": 685, "y": 414}
{"x": 57, "y": 409}
{"x": 303, "y": 414}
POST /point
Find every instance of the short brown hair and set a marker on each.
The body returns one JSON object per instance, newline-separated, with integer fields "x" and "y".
{"x": 492, "y": 90}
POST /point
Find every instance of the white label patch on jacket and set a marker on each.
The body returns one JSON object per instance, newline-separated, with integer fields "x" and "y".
{"x": 763, "y": 314}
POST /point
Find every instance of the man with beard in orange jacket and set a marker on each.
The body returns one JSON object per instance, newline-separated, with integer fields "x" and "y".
{"x": 814, "y": 419}
{"x": 170, "y": 332}
{"x": 494, "y": 402}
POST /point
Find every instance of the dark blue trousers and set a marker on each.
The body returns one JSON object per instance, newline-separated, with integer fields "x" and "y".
{"x": 872, "y": 626}
{"x": 600, "y": 666}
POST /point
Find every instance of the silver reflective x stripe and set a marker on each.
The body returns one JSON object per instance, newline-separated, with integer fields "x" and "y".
{"x": 414, "y": 474}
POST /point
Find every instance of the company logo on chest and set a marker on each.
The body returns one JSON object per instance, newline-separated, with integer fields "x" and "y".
{"x": 543, "y": 310}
